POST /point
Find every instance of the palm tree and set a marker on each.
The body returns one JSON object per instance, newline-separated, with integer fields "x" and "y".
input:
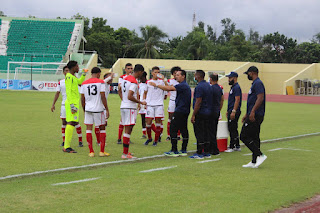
{"x": 152, "y": 42}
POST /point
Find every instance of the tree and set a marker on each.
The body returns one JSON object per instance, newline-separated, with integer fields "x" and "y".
{"x": 229, "y": 28}
{"x": 127, "y": 39}
{"x": 279, "y": 48}
{"x": 254, "y": 37}
{"x": 195, "y": 46}
{"x": 152, "y": 42}
{"x": 212, "y": 35}
{"x": 316, "y": 38}
{"x": 2, "y": 14}
{"x": 308, "y": 53}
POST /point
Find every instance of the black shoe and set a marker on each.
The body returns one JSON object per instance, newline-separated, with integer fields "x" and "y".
{"x": 62, "y": 144}
{"x": 80, "y": 144}
{"x": 147, "y": 142}
{"x": 69, "y": 150}
{"x": 155, "y": 143}
{"x": 119, "y": 141}
{"x": 159, "y": 140}
{"x": 168, "y": 138}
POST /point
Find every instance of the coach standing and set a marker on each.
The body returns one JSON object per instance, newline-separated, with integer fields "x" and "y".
{"x": 181, "y": 113}
{"x": 234, "y": 111}
{"x": 256, "y": 103}
{"x": 202, "y": 101}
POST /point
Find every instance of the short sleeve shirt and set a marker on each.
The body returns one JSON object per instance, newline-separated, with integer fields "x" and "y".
{"x": 183, "y": 99}
{"x": 92, "y": 89}
{"x": 62, "y": 89}
{"x": 129, "y": 84}
{"x": 203, "y": 91}
{"x": 216, "y": 92}
{"x": 155, "y": 96}
{"x": 235, "y": 91}
{"x": 256, "y": 89}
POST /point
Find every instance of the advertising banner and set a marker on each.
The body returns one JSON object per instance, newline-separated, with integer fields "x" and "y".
{"x": 47, "y": 86}
{"x": 16, "y": 84}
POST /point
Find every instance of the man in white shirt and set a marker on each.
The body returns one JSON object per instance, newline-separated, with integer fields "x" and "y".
{"x": 128, "y": 69}
{"x": 61, "y": 88}
{"x": 94, "y": 102}
{"x": 154, "y": 98}
{"x": 128, "y": 106}
{"x": 108, "y": 77}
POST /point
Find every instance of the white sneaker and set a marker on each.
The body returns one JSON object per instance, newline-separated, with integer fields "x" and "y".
{"x": 260, "y": 160}
{"x": 249, "y": 165}
{"x": 237, "y": 149}
{"x": 229, "y": 150}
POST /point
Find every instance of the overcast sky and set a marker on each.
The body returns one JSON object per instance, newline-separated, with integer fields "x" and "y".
{"x": 299, "y": 19}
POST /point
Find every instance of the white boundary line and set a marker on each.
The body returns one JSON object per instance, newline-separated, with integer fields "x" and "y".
{"x": 158, "y": 169}
{"x": 123, "y": 161}
{"x": 76, "y": 181}
{"x": 206, "y": 161}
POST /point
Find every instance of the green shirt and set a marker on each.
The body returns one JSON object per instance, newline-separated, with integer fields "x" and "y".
{"x": 72, "y": 91}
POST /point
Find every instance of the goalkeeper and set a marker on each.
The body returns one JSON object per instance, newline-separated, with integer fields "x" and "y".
{"x": 72, "y": 102}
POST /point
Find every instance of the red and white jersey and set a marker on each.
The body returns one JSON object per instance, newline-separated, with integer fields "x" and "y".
{"x": 92, "y": 89}
{"x": 129, "y": 83}
{"x": 142, "y": 88}
{"x": 155, "y": 96}
{"x": 62, "y": 89}
{"x": 121, "y": 79}
{"x": 173, "y": 94}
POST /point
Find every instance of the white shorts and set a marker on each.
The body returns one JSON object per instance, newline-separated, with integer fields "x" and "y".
{"x": 143, "y": 110}
{"x": 63, "y": 112}
{"x": 128, "y": 117}
{"x": 172, "y": 106}
{"x": 155, "y": 112}
{"x": 96, "y": 118}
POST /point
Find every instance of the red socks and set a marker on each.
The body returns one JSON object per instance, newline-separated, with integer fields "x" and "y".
{"x": 78, "y": 128}
{"x": 158, "y": 129}
{"x": 149, "y": 132}
{"x": 102, "y": 140}
{"x": 97, "y": 132}
{"x": 63, "y": 130}
{"x": 89, "y": 140}
{"x": 153, "y": 127}
{"x": 144, "y": 131}
{"x": 126, "y": 141}
{"x": 120, "y": 131}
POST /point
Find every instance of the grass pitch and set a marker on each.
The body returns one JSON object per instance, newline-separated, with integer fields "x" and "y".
{"x": 30, "y": 139}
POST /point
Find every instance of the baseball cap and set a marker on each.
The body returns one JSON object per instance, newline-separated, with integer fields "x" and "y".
{"x": 232, "y": 74}
{"x": 252, "y": 69}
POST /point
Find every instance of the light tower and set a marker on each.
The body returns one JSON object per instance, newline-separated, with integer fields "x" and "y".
{"x": 194, "y": 22}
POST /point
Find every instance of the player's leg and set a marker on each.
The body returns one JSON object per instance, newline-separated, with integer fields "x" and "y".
{"x": 170, "y": 115}
{"x": 100, "y": 120}
{"x": 120, "y": 131}
{"x": 159, "y": 114}
{"x": 97, "y": 133}
{"x": 72, "y": 120}
{"x": 63, "y": 130}
{"x": 129, "y": 122}
{"x": 143, "y": 124}
{"x": 149, "y": 119}
{"x": 89, "y": 121}
{"x": 79, "y": 132}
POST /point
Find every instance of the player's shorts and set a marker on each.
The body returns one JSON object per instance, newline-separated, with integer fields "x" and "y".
{"x": 63, "y": 112}
{"x": 155, "y": 112}
{"x": 128, "y": 117}
{"x": 96, "y": 118}
{"x": 172, "y": 106}
{"x": 143, "y": 110}
{"x": 72, "y": 117}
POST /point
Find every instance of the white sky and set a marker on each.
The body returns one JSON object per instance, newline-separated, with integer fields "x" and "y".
{"x": 296, "y": 18}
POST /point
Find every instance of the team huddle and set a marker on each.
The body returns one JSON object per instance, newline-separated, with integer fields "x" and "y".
{"x": 147, "y": 98}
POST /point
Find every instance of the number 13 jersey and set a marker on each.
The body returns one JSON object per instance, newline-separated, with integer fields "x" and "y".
{"x": 92, "y": 89}
{"x": 129, "y": 83}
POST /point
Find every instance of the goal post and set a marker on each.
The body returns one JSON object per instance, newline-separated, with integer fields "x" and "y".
{"x": 23, "y": 75}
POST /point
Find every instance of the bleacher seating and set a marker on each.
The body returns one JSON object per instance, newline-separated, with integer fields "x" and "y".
{"x": 45, "y": 37}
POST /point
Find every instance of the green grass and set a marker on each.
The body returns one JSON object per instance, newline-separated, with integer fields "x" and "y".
{"x": 30, "y": 139}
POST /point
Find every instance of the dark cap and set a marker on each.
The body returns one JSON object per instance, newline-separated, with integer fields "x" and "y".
{"x": 232, "y": 74}
{"x": 252, "y": 69}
